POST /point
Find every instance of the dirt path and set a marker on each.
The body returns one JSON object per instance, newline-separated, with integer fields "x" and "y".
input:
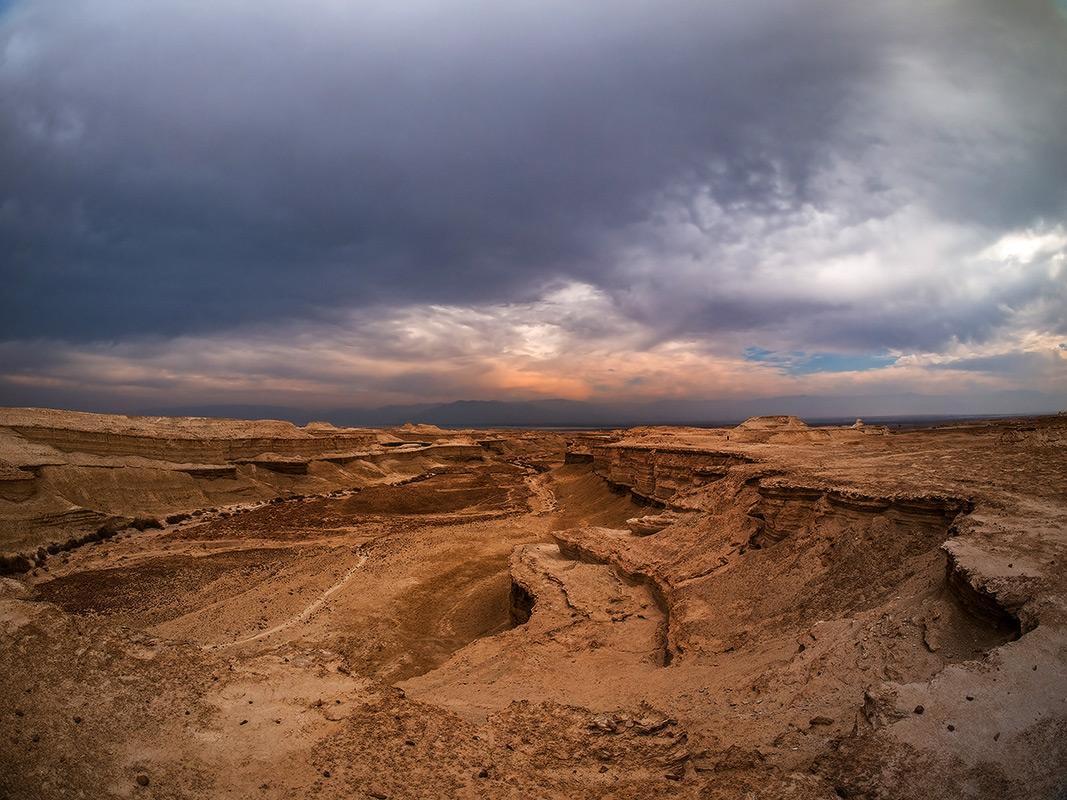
{"x": 312, "y": 607}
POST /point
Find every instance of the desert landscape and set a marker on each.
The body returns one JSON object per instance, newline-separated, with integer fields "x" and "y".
{"x": 205, "y": 608}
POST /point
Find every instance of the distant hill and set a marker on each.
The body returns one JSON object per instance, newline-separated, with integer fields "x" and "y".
{"x": 492, "y": 414}
{"x": 578, "y": 414}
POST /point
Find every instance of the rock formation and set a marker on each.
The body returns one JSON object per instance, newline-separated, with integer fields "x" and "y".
{"x": 215, "y": 608}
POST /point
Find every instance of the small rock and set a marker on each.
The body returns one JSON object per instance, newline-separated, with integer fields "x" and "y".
{"x": 919, "y": 709}
{"x": 653, "y": 723}
{"x": 142, "y": 780}
{"x": 951, "y": 727}
{"x": 603, "y": 722}
{"x": 77, "y": 720}
{"x": 820, "y": 721}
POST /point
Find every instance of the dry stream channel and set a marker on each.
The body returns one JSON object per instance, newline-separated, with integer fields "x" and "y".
{"x": 391, "y": 580}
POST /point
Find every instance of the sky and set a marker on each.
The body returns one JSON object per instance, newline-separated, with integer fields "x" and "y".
{"x": 353, "y": 204}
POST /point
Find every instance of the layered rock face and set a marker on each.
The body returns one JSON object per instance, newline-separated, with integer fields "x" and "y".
{"x": 658, "y": 474}
{"x": 818, "y": 585}
{"x": 67, "y": 478}
{"x": 764, "y": 611}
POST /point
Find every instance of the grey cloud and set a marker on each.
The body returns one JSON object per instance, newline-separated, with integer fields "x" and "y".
{"x": 185, "y": 167}
{"x": 1018, "y": 364}
{"x": 1000, "y": 161}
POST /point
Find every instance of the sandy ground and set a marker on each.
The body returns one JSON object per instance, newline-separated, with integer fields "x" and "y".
{"x": 816, "y": 613}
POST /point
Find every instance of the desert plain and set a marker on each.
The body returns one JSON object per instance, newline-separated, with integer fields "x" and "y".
{"x": 200, "y": 608}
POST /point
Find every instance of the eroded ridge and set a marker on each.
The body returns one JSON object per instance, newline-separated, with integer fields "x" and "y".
{"x": 793, "y": 599}
{"x": 69, "y": 479}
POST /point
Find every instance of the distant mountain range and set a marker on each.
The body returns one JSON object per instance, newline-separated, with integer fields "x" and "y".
{"x": 578, "y": 414}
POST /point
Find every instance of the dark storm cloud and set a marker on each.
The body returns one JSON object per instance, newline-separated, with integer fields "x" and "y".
{"x": 997, "y": 95}
{"x": 179, "y": 166}
{"x": 401, "y": 197}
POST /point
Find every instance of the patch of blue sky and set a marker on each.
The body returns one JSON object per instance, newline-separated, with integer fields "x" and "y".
{"x": 765, "y": 356}
{"x": 794, "y": 362}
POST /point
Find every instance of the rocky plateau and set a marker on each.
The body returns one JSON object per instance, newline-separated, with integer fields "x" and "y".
{"x": 203, "y": 608}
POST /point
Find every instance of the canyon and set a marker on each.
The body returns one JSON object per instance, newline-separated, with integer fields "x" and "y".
{"x": 225, "y": 608}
